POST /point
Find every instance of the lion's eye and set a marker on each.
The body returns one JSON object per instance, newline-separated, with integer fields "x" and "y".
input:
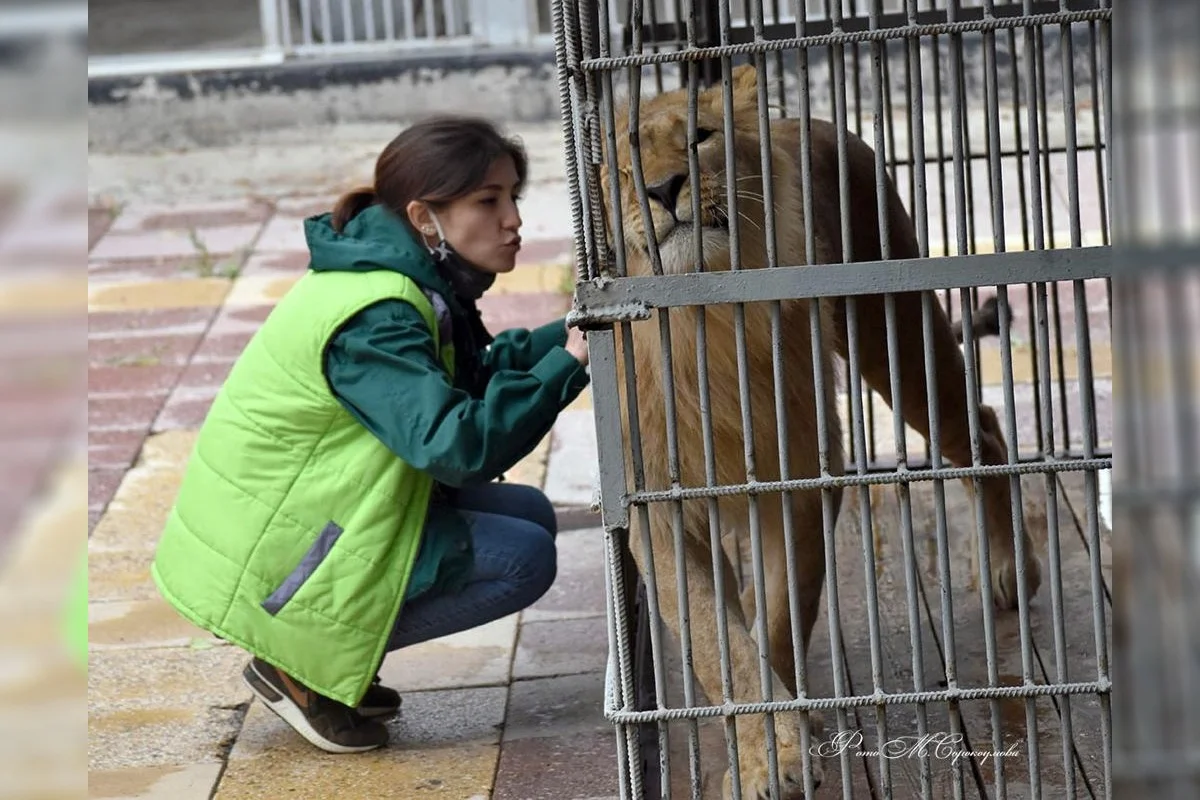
{"x": 703, "y": 133}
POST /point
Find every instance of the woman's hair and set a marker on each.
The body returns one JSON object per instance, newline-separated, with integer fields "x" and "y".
{"x": 436, "y": 161}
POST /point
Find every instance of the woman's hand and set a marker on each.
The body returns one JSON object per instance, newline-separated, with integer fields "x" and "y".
{"x": 577, "y": 345}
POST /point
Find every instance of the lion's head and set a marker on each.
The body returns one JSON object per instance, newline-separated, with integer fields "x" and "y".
{"x": 663, "y": 144}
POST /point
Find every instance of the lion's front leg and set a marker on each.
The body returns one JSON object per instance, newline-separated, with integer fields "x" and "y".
{"x": 743, "y": 658}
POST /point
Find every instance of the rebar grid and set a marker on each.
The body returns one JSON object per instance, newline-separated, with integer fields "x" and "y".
{"x": 669, "y": 492}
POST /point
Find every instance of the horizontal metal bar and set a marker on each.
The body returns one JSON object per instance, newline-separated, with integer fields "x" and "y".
{"x": 875, "y": 35}
{"x": 599, "y": 299}
{"x": 1141, "y": 260}
{"x": 668, "y": 32}
{"x": 870, "y": 479}
{"x": 858, "y": 701}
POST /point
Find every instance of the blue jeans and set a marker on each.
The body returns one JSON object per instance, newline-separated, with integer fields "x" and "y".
{"x": 513, "y": 529}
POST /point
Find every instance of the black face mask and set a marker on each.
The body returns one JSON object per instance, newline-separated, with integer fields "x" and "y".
{"x": 468, "y": 281}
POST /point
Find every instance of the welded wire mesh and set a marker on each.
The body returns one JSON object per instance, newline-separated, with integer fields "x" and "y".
{"x": 805, "y": 544}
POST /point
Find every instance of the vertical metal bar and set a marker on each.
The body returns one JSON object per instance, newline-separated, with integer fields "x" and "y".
{"x": 1026, "y": 635}
{"x": 566, "y": 52}
{"x": 389, "y": 20}
{"x": 974, "y": 380}
{"x": 838, "y": 70}
{"x": 410, "y": 20}
{"x": 1038, "y": 220}
{"x": 306, "y": 21}
{"x": 1022, "y": 196}
{"x": 945, "y": 591}
{"x": 824, "y": 443}
{"x": 706, "y": 421}
{"x": 1098, "y": 141}
{"x": 368, "y": 7}
{"x": 285, "y": 23}
{"x": 631, "y": 393}
{"x": 911, "y": 578}
{"x": 327, "y": 23}
{"x": 268, "y": 20}
{"x": 1083, "y": 348}
{"x": 780, "y": 84}
{"x": 347, "y": 22}
{"x": 682, "y": 34}
{"x": 765, "y": 673}
{"x": 1053, "y": 547}
{"x": 450, "y": 14}
{"x": 769, "y": 232}
{"x": 606, "y": 399}
{"x": 856, "y": 393}
{"x": 654, "y": 48}
{"x": 1044, "y": 120}
{"x": 673, "y": 469}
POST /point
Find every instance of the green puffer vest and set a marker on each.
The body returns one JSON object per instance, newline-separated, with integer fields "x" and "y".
{"x": 295, "y": 530}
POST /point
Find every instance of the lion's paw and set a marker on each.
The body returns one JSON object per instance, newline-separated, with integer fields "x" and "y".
{"x": 1004, "y": 580}
{"x": 754, "y": 771}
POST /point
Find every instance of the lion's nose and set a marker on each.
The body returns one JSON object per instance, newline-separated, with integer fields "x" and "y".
{"x": 667, "y": 191}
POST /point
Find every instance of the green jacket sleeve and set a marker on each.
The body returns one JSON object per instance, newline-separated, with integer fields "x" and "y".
{"x": 383, "y": 368}
{"x": 519, "y": 348}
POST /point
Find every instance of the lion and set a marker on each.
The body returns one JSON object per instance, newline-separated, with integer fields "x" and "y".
{"x": 664, "y": 149}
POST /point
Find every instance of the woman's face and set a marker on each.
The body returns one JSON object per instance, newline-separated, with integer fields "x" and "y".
{"x": 484, "y": 225}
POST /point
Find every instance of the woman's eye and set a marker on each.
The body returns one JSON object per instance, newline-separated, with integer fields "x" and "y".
{"x": 488, "y": 201}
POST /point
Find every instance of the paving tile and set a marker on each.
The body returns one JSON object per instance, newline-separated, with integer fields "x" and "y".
{"x": 478, "y": 657}
{"x": 139, "y": 351}
{"x": 135, "y": 270}
{"x": 576, "y": 767}
{"x": 525, "y": 310}
{"x": 140, "y": 507}
{"x": 99, "y": 220}
{"x": 132, "y": 379}
{"x": 205, "y": 375}
{"x": 578, "y": 591}
{"x": 443, "y": 743}
{"x": 124, "y": 412}
{"x": 572, "y": 474}
{"x": 114, "y": 449}
{"x": 305, "y": 205}
{"x": 151, "y": 322}
{"x": 263, "y": 263}
{"x": 221, "y": 347}
{"x": 561, "y": 647}
{"x": 120, "y": 575}
{"x": 181, "y": 293}
{"x": 551, "y": 707}
{"x": 283, "y": 233}
{"x": 142, "y": 623}
{"x": 175, "y": 242}
{"x": 150, "y": 707}
{"x": 183, "y": 782}
{"x": 184, "y": 216}
{"x": 102, "y": 485}
{"x": 184, "y": 412}
{"x": 464, "y": 772}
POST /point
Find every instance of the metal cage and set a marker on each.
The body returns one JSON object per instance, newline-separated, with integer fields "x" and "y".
{"x": 935, "y": 169}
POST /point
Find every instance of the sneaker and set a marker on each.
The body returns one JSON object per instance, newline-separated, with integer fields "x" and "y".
{"x": 326, "y": 723}
{"x": 379, "y": 701}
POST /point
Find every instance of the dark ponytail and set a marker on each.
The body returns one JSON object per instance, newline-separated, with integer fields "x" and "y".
{"x": 351, "y": 204}
{"x": 436, "y": 161}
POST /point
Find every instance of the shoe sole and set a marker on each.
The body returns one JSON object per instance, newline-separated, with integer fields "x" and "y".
{"x": 290, "y": 713}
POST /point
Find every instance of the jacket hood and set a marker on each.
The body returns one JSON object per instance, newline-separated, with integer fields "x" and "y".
{"x": 375, "y": 239}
